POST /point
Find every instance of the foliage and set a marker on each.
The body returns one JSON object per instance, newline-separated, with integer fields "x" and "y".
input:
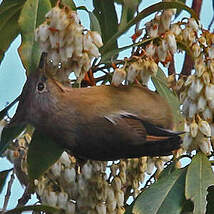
{"x": 175, "y": 189}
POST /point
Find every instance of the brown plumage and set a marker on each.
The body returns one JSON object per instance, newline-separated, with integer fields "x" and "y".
{"x": 101, "y": 122}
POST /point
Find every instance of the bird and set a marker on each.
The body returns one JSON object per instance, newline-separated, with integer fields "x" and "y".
{"x": 101, "y": 123}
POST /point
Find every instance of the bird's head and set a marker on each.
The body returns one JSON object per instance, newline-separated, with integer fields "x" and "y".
{"x": 39, "y": 93}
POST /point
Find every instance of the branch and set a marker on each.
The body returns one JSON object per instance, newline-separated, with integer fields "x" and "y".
{"x": 25, "y": 197}
{"x": 7, "y": 196}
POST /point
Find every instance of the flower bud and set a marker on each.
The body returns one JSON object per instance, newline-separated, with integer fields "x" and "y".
{"x": 150, "y": 166}
{"x": 51, "y": 198}
{"x": 120, "y": 198}
{"x": 70, "y": 175}
{"x": 207, "y": 114}
{"x": 97, "y": 39}
{"x": 175, "y": 28}
{"x": 192, "y": 109}
{"x": 209, "y": 92}
{"x": 193, "y": 24}
{"x": 116, "y": 184}
{"x": 187, "y": 141}
{"x": 64, "y": 159}
{"x": 194, "y": 129}
{"x": 205, "y": 146}
{"x": 132, "y": 72}
{"x": 101, "y": 208}
{"x": 196, "y": 50}
{"x": 56, "y": 169}
{"x": 171, "y": 42}
{"x": 118, "y": 76}
{"x": 62, "y": 199}
{"x": 206, "y": 78}
{"x": 70, "y": 208}
{"x": 111, "y": 206}
{"x": 201, "y": 104}
{"x": 204, "y": 127}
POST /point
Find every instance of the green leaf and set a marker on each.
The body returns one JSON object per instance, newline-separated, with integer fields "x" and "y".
{"x": 9, "y": 28}
{"x": 38, "y": 208}
{"x": 198, "y": 178}
{"x": 160, "y": 83}
{"x": 106, "y": 57}
{"x": 210, "y": 200}
{"x": 69, "y": 3}
{"x": 164, "y": 196}
{"x": 9, "y": 134}
{"x": 3, "y": 178}
{"x": 179, "y": 10}
{"x": 94, "y": 23}
{"x": 144, "y": 13}
{"x": 107, "y": 17}
{"x": 128, "y": 10}
{"x": 43, "y": 152}
{"x": 32, "y": 15}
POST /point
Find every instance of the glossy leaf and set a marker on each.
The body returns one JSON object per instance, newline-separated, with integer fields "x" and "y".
{"x": 210, "y": 200}
{"x": 9, "y": 28}
{"x": 164, "y": 196}
{"x": 179, "y": 10}
{"x": 8, "y": 134}
{"x": 94, "y": 23}
{"x": 198, "y": 178}
{"x": 128, "y": 10}
{"x": 160, "y": 83}
{"x": 146, "y": 12}
{"x": 32, "y": 15}
{"x": 43, "y": 152}
{"x": 38, "y": 208}
{"x": 3, "y": 178}
{"x": 107, "y": 17}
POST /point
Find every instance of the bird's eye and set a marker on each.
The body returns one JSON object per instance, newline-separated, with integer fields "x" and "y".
{"x": 41, "y": 87}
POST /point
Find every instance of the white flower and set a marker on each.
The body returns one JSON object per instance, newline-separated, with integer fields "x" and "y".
{"x": 3, "y": 123}
{"x": 171, "y": 42}
{"x": 62, "y": 199}
{"x": 118, "y": 76}
{"x": 101, "y": 208}
{"x": 193, "y": 24}
{"x": 209, "y": 92}
{"x": 64, "y": 159}
{"x": 175, "y": 28}
{"x": 187, "y": 141}
{"x": 207, "y": 114}
{"x": 56, "y": 169}
{"x": 70, "y": 175}
{"x": 51, "y": 198}
{"x": 150, "y": 49}
{"x": 204, "y": 127}
{"x": 196, "y": 50}
{"x": 70, "y": 209}
{"x": 97, "y": 39}
{"x": 194, "y": 129}
{"x": 201, "y": 103}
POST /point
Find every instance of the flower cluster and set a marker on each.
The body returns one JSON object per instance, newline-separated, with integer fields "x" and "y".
{"x": 66, "y": 42}
{"x": 198, "y": 96}
{"x": 142, "y": 68}
{"x": 100, "y": 188}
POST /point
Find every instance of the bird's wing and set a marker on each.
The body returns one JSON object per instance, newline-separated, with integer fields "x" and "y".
{"x": 146, "y": 139}
{"x": 140, "y": 127}
{"x": 124, "y": 135}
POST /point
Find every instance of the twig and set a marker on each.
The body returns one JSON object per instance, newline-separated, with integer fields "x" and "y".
{"x": 25, "y": 197}
{"x": 7, "y": 196}
{"x": 211, "y": 23}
